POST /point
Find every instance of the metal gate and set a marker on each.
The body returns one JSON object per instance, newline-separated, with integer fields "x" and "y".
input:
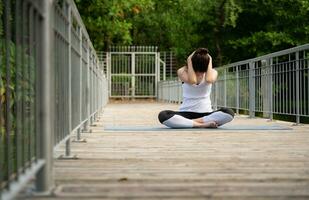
{"x": 133, "y": 71}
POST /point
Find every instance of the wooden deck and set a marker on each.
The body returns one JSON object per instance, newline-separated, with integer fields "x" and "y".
{"x": 198, "y": 164}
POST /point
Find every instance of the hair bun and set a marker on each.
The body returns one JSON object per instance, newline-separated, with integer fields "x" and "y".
{"x": 202, "y": 51}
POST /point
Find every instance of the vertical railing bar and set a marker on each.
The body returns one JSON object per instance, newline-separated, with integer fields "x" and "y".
{"x": 171, "y": 64}
{"x": 285, "y": 75}
{"x": 274, "y": 86}
{"x": 30, "y": 17}
{"x": 301, "y": 106}
{"x": 251, "y": 88}
{"x": 2, "y": 134}
{"x": 109, "y": 77}
{"x": 24, "y": 62}
{"x": 80, "y": 82}
{"x": 70, "y": 46}
{"x": 44, "y": 178}
{"x": 34, "y": 85}
{"x": 7, "y": 36}
{"x": 88, "y": 90}
{"x": 225, "y": 89}
{"x": 290, "y": 74}
{"x": 237, "y": 90}
{"x": 271, "y": 88}
{"x": 61, "y": 80}
{"x": 37, "y": 126}
{"x": 306, "y": 60}
{"x": 261, "y": 77}
{"x": 297, "y": 88}
{"x": 281, "y": 88}
{"x": 133, "y": 73}
{"x": 93, "y": 87}
{"x": 293, "y": 106}
{"x": 18, "y": 88}
{"x": 256, "y": 88}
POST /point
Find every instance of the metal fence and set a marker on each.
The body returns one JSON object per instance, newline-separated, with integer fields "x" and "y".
{"x": 51, "y": 87}
{"x": 133, "y": 71}
{"x": 169, "y": 72}
{"x": 273, "y": 84}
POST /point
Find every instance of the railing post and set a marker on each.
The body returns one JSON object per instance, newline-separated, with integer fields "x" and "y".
{"x": 164, "y": 71}
{"x": 157, "y": 71}
{"x": 297, "y": 88}
{"x": 133, "y": 74}
{"x": 86, "y": 125}
{"x": 225, "y": 100}
{"x": 90, "y": 87}
{"x": 265, "y": 86}
{"x": 108, "y": 66}
{"x": 270, "y": 88}
{"x": 78, "y": 134}
{"x": 8, "y": 121}
{"x": 171, "y": 64}
{"x": 67, "y": 143}
{"x": 251, "y": 89}
{"x": 237, "y": 90}
{"x": 44, "y": 178}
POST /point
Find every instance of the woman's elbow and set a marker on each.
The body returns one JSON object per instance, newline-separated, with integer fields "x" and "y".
{"x": 211, "y": 80}
{"x": 213, "y": 77}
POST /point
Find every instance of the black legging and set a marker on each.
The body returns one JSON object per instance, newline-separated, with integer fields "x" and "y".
{"x": 166, "y": 114}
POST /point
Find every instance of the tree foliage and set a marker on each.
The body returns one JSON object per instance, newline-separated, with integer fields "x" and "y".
{"x": 231, "y": 29}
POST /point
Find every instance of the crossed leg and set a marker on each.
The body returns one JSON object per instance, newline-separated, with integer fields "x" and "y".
{"x": 213, "y": 119}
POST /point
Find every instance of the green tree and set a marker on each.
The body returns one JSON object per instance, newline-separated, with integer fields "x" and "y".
{"x": 106, "y": 20}
{"x": 231, "y": 29}
{"x": 267, "y": 26}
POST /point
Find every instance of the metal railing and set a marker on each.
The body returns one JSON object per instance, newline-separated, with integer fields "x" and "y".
{"x": 133, "y": 71}
{"x": 170, "y": 61}
{"x": 51, "y": 88}
{"x": 123, "y": 63}
{"x": 273, "y": 84}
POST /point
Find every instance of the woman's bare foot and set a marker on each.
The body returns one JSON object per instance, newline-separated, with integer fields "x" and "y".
{"x": 211, "y": 124}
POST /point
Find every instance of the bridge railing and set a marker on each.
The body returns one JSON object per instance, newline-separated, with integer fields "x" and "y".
{"x": 275, "y": 84}
{"x": 51, "y": 87}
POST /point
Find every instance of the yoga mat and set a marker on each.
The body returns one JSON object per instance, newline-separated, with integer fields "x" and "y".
{"x": 221, "y": 128}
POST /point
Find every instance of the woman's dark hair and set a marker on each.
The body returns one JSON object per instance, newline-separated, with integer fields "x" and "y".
{"x": 200, "y": 60}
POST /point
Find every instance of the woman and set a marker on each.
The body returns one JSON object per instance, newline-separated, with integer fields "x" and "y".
{"x": 196, "y": 110}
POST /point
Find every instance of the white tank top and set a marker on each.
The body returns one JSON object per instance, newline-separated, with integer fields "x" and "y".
{"x": 196, "y": 98}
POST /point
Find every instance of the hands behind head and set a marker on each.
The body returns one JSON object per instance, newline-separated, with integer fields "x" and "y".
{"x": 210, "y": 58}
{"x": 190, "y": 56}
{"x": 189, "y": 59}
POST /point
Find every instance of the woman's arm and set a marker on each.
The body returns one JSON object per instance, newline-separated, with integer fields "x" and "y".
{"x": 186, "y": 73}
{"x": 211, "y": 74}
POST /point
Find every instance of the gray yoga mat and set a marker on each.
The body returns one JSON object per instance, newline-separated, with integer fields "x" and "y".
{"x": 221, "y": 128}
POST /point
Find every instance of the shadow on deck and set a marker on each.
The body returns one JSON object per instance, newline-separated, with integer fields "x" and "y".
{"x": 190, "y": 164}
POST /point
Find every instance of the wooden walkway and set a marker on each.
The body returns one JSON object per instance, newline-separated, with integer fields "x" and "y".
{"x": 198, "y": 164}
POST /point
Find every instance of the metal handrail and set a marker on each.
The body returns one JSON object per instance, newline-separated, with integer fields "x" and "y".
{"x": 59, "y": 89}
{"x": 273, "y": 84}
